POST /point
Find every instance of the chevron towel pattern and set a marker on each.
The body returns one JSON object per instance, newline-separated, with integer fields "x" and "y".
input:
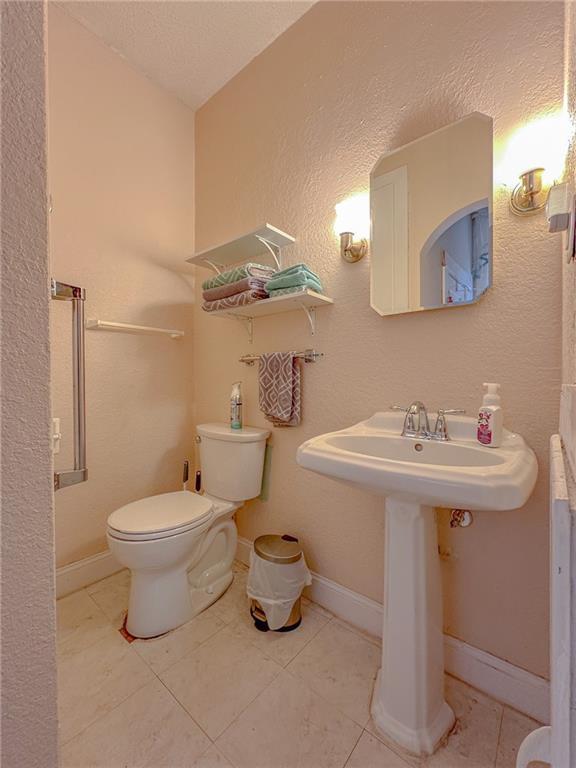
{"x": 280, "y": 388}
{"x": 238, "y": 273}
{"x": 237, "y": 300}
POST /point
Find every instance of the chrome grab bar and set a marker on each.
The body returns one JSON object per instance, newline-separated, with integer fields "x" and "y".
{"x": 65, "y": 292}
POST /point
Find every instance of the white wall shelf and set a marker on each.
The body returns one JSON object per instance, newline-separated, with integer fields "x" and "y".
{"x": 105, "y": 325}
{"x": 308, "y": 301}
{"x": 263, "y": 246}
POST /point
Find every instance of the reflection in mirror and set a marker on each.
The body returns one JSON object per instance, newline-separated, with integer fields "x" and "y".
{"x": 455, "y": 262}
{"x": 431, "y": 204}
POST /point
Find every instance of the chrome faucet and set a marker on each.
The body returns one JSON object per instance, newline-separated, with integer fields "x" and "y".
{"x": 416, "y": 422}
{"x": 417, "y": 425}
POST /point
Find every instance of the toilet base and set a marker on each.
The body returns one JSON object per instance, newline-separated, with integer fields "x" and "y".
{"x": 184, "y": 604}
{"x": 202, "y": 598}
{"x": 164, "y": 598}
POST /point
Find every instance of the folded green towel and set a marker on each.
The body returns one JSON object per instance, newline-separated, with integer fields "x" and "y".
{"x": 299, "y": 278}
{"x": 238, "y": 273}
{"x": 296, "y": 289}
{"x": 298, "y": 268}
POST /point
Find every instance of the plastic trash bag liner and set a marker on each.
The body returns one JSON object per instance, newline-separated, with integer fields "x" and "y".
{"x": 276, "y": 587}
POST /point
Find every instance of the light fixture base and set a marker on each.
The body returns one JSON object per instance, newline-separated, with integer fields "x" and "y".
{"x": 351, "y": 251}
{"x": 527, "y": 198}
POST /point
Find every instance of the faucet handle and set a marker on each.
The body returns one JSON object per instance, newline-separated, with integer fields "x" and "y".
{"x": 409, "y": 420}
{"x": 440, "y": 428}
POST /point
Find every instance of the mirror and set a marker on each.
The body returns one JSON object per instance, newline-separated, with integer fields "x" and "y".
{"x": 431, "y": 220}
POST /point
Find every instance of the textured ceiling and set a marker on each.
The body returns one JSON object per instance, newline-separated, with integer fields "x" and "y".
{"x": 189, "y": 48}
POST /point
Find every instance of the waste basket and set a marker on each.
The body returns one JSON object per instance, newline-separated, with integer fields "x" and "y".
{"x": 278, "y": 574}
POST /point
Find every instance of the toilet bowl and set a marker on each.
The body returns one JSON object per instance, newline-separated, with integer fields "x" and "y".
{"x": 180, "y": 546}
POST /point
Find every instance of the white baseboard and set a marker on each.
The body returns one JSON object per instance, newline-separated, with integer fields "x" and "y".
{"x": 77, "y": 575}
{"x": 499, "y": 679}
{"x": 243, "y": 549}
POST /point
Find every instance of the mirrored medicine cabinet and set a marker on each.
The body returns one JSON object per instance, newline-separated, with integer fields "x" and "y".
{"x": 431, "y": 220}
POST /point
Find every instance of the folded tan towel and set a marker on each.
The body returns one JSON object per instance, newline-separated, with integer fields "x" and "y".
{"x": 280, "y": 389}
{"x": 237, "y": 300}
{"x": 247, "y": 284}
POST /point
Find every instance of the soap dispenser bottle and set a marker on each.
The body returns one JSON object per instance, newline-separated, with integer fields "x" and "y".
{"x": 490, "y": 417}
{"x": 236, "y": 406}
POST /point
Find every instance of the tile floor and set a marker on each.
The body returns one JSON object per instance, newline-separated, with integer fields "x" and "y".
{"x": 216, "y": 693}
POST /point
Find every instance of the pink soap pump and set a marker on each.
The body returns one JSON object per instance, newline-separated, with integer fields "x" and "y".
{"x": 490, "y": 417}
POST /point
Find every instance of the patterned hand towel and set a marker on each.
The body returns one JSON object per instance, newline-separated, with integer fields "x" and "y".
{"x": 280, "y": 390}
{"x": 248, "y": 284}
{"x": 237, "y": 300}
{"x": 238, "y": 273}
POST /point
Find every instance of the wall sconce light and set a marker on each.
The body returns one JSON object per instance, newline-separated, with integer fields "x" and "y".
{"x": 527, "y": 197}
{"x": 351, "y": 251}
{"x": 353, "y": 220}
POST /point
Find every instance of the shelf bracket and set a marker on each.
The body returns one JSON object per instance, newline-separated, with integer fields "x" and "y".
{"x": 248, "y": 323}
{"x": 215, "y": 267}
{"x": 310, "y": 313}
{"x": 274, "y": 249}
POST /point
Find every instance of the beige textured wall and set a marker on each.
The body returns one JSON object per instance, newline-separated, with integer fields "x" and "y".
{"x": 28, "y": 689}
{"x": 295, "y": 132}
{"x": 121, "y": 179}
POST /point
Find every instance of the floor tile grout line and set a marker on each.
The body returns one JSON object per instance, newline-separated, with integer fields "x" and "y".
{"x": 100, "y": 717}
{"x": 187, "y": 654}
{"x": 257, "y": 696}
{"x": 499, "y": 736}
{"x": 326, "y": 700}
{"x": 280, "y": 668}
{"x": 252, "y": 700}
{"x": 239, "y": 715}
{"x": 62, "y": 641}
{"x": 402, "y": 757}
{"x": 345, "y": 763}
{"x": 183, "y": 708}
{"x": 358, "y": 632}
{"x": 397, "y": 750}
{"x": 285, "y": 666}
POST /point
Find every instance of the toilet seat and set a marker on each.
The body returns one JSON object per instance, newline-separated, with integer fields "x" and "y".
{"x": 161, "y": 516}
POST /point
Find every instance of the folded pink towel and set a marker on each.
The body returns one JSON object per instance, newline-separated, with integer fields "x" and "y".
{"x": 237, "y": 300}
{"x": 247, "y": 284}
{"x": 280, "y": 388}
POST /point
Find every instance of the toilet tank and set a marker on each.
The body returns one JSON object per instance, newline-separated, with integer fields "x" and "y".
{"x": 232, "y": 460}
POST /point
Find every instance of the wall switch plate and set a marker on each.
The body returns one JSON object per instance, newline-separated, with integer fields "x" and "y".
{"x": 56, "y": 435}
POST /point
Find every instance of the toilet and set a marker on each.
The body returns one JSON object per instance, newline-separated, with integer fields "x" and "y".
{"x": 180, "y": 546}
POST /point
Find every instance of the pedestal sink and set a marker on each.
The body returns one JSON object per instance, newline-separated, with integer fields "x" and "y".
{"x": 415, "y": 476}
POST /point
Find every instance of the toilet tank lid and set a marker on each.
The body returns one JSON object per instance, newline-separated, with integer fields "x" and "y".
{"x": 165, "y": 512}
{"x": 225, "y": 432}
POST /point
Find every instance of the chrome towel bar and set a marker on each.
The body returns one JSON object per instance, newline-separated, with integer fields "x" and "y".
{"x": 308, "y": 355}
{"x": 65, "y": 292}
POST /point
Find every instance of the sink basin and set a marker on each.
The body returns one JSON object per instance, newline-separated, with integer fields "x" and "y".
{"x": 415, "y": 476}
{"x": 458, "y": 473}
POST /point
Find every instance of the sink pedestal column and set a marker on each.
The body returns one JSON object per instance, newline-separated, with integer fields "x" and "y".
{"x": 408, "y": 704}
